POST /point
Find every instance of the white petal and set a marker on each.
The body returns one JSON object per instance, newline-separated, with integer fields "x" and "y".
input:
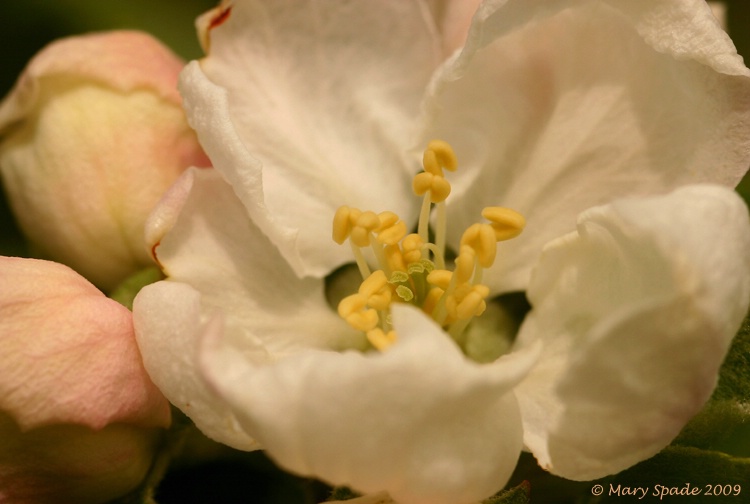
{"x": 636, "y": 310}
{"x": 220, "y": 265}
{"x": 419, "y": 421}
{"x": 557, "y": 106}
{"x": 307, "y": 106}
{"x": 168, "y": 324}
{"x": 453, "y": 18}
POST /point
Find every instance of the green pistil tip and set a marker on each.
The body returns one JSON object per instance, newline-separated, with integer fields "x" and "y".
{"x": 404, "y": 293}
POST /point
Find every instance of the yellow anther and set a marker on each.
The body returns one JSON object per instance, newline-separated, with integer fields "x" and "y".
{"x": 505, "y": 222}
{"x": 351, "y": 304}
{"x": 412, "y": 248}
{"x": 464, "y": 265}
{"x": 363, "y": 225}
{"x": 430, "y": 163}
{"x": 481, "y": 238}
{"x": 364, "y": 320}
{"x": 387, "y": 219}
{"x": 353, "y": 310}
{"x": 467, "y": 301}
{"x": 355, "y": 224}
{"x": 431, "y": 300}
{"x": 380, "y": 339}
{"x": 394, "y": 258}
{"x": 342, "y": 224}
{"x": 473, "y": 304}
{"x": 439, "y": 188}
{"x": 412, "y": 266}
{"x": 440, "y": 278}
{"x": 391, "y": 229}
{"x": 376, "y": 291}
{"x": 373, "y": 284}
{"x": 438, "y": 155}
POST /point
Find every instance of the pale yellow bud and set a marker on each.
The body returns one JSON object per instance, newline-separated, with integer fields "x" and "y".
{"x": 91, "y": 136}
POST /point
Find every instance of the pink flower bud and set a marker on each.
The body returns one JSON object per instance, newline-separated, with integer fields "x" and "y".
{"x": 92, "y": 135}
{"x": 80, "y": 420}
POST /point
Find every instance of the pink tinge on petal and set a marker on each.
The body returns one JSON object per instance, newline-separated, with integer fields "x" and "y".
{"x": 210, "y": 20}
{"x": 123, "y": 60}
{"x": 68, "y": 353}
{"x": 455, "y": 21}
{"x": 164, "y": 215}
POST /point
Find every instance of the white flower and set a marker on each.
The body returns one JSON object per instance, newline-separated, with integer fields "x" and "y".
{"x": 552, "y": 107}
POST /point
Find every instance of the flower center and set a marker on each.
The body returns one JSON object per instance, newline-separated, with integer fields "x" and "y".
{"x": 411, "y": 267}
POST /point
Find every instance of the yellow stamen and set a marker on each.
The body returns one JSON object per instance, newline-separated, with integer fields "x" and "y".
{"x": 342, "y": 226}
{"x": 481, "y": 238}
{"x": 412, "y": 248}
{"x": 470, "y": 301}
{"x": 440, "y": 278}
{"x": 440, "y": 231}
{"x": 431, "y": 300}
{"x": 505, "y": 222}
{"x": 359, "y": 257}
{"x": 354, "y": 310}
{"x": 439, "y": 153}
{"x": 364, "y": 225}
{"x": 375, "y": 291}
{"x": 436, "y": 185}
{"x": 431, "y": 184}
{"x": 391, "y": 229}
{"x": 394, "y": 258}
{"x": 411, "y": 268}
{"x": 465, "y": 263}
{"x": 380, "y": 339}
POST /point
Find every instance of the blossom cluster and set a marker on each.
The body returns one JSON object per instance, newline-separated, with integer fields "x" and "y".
{"x": 577, "y": 155}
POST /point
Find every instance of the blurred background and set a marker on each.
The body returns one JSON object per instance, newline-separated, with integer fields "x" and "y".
{"x": 26, "y": 26}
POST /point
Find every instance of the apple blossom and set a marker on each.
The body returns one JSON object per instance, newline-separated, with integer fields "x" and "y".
{"x": 80, "y": 420}
{"x": 585, "y": 117}
{"x": 90, "y": 137}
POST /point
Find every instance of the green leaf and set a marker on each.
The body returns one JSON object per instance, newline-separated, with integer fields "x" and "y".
{"x": 678, "y": 471}
{"x": 517, "y": 495}
{"x": 724, "y": 423}
{"x": 734, "y": 377}
{"x": 342, "y": 494}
